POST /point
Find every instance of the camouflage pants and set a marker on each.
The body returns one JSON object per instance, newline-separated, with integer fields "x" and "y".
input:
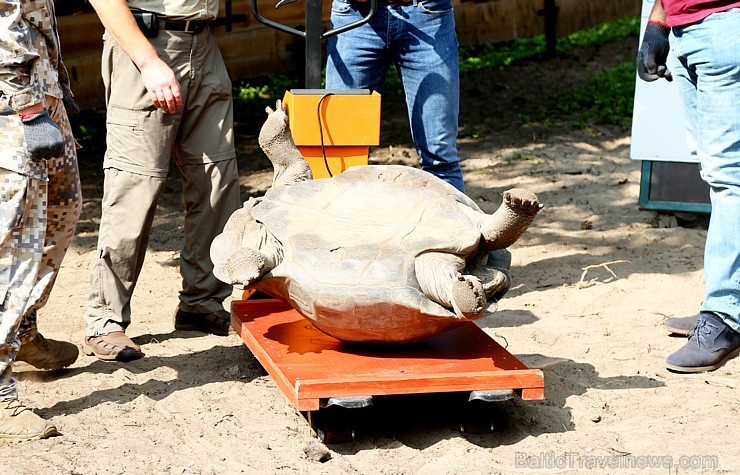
{"x": 37, "y": 223}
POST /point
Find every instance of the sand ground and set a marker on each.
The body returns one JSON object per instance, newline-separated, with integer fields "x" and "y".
{"x": 593, "y": 280}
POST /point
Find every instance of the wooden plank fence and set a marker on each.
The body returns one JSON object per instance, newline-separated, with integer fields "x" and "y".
{"x": 251, "y": 49}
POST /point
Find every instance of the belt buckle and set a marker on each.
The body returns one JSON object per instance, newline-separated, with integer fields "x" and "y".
{"x": 187, "y": 26}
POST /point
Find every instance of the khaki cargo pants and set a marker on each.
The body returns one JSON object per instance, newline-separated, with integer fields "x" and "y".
{"x": 38, "y": 218}
{"x": 140, "y": 142}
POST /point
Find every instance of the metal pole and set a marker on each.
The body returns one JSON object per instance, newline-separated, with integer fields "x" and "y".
{"x": 550, "y": 12}
{"x": 313, "y": 44}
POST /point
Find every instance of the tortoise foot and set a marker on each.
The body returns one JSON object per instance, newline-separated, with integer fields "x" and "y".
{"x": 245, "y": 266}
{"x": 522, "y": 202}
{"x": 468, "y": 297}
{"x": 511, "y": 219}
{"x": 497, "y": 284}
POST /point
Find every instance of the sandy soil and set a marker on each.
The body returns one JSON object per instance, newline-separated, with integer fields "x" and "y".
{"x": 594, "y": 278}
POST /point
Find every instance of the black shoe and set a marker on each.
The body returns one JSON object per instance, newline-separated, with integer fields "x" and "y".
{"x": 680, "y": 325}
{"x": 711, "y": 343}
{"x": 217, "y": 323}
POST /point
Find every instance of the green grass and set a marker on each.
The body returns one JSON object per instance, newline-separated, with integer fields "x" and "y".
{"x": 606, "y": 100}
{"x": 252, "y": 96}
{"x": 496, "y": 55}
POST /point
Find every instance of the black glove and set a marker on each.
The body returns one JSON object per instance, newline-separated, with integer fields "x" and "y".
{"x": 653, "y": 53}
{"x": 70, "y": 104}
{"x": 43, "y": 136}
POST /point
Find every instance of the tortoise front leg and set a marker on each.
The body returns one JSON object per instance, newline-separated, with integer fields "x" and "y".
{"x": 245, "y": 266}
{"x": 441, "y": 279}
{"x": 237, "y": 264}
{"x": 245, "y": 251}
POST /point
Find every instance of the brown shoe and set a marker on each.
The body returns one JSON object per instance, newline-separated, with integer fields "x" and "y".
{"x": 217, "y": 322}
{"x": 19, "y": 423}
{"x": 114, "y": 346}
{"x": 47, "y": 354}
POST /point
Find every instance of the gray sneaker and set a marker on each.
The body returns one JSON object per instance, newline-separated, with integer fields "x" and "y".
{"x": 711, "y": 343}
{"x": 680, "y": 325}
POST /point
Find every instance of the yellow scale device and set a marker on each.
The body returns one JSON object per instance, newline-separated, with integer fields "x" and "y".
{"x": 333, "y": 130}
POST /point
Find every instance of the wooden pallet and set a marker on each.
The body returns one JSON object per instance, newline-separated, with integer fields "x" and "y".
{"x": 310, "y": 366}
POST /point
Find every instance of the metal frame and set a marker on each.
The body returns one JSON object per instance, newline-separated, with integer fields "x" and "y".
{"x": 657, "y": 205}
{"x": 313, "y": 34}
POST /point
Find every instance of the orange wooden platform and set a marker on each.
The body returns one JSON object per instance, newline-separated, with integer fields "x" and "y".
{"x": 309, "y": 365}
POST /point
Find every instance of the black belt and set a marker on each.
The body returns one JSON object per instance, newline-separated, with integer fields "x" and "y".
{"x": 188, "y": 26}
{"x": 398, "y": 2}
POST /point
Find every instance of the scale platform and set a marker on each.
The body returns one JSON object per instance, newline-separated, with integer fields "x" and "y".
{"x": 311, "y": 367}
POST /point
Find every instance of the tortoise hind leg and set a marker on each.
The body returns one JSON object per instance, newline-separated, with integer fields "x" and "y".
{"x": 517, "y": 211}
{"x": 468, "y": 297}
{"x": 492, "y": 269}
{"x": 441, "y": 279}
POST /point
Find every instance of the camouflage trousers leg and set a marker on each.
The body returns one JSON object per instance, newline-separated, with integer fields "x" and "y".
{"x": 22, "y": 227}
{"x": 37, "y": 223}
{"x": 63, "y": 209}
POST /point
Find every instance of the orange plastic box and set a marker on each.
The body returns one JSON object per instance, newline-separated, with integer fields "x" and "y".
{"x": 350, "y": 124}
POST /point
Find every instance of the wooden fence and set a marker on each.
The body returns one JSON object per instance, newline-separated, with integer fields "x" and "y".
{"x": 251, "y": 49}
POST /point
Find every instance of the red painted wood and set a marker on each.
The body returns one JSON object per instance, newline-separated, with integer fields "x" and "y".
{"x": 309, "y": 365}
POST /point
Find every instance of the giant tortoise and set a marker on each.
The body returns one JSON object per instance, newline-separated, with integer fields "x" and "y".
{"x": 377, "y": 254}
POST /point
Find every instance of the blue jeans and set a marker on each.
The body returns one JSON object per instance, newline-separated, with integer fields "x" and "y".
{"x": 420, "y": 39}
{"x": 706, "y": 66}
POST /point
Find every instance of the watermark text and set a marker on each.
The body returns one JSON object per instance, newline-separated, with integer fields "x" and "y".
{"x": 575, "y": 460}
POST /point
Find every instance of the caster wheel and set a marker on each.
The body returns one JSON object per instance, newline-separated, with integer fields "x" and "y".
{"x": 477, "y": 422}
{"x": 334, "y": 425}
{"x": 335, "y": 435}
{"x": 481, "y": 412}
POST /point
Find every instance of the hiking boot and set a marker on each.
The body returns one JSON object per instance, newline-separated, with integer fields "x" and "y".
{"x": 218, "y": 322}
{"x": 711, "y": 343}
{"x": 114, "y": 346}
{"x": 47, "y": 354}
{"x": 680, "y": 325}
{"x": 19, "y": 423}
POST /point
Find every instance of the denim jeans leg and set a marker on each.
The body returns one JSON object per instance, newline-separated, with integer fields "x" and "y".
{"x": 430, "y": 74}
{"x": 357, "y": 58}
{"x": 360, "y": 58}
{"x": 708, "y": 74}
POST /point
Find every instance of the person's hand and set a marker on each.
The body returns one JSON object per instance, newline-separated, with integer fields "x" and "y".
{"x": 69, "y": 104}
{"x": 43, "y": 136}
{"x": 163, "y": 87}
{"x": 651, "y": 59}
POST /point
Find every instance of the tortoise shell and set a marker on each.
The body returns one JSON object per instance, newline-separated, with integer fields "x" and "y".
{"x": 349, "y": 244}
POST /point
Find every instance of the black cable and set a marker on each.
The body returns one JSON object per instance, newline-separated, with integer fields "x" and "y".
{"x": 321, "y": 131}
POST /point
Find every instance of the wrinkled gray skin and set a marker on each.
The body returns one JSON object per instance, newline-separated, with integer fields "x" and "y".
{"x": 381, "y": 254}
